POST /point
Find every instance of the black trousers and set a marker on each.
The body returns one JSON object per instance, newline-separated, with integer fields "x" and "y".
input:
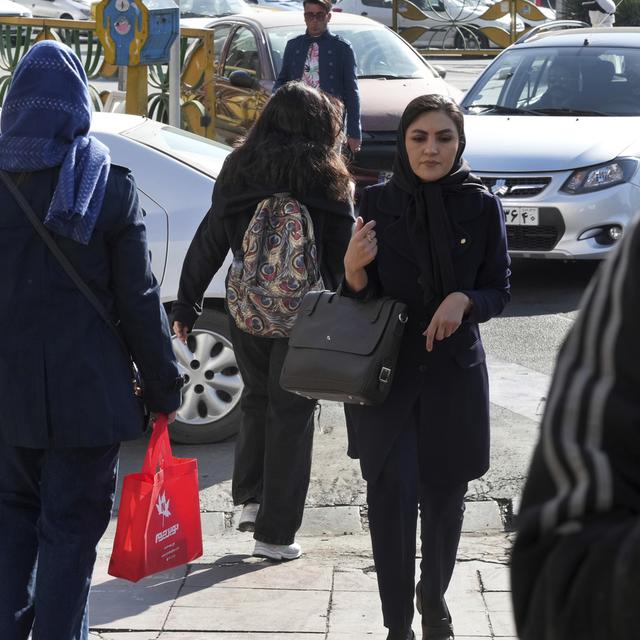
{"x": 274, "y": 445}
{"x": 393, "y": 499}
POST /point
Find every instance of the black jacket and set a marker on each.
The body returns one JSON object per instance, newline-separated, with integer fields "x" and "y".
{"x": 223, "y": 228}
{"x": 449, "y": 385}
{"x": 576, "y": 559}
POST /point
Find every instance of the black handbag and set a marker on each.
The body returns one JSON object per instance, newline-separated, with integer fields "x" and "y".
{"x": 81, "y": 285}
{"x": 344, "y": 349}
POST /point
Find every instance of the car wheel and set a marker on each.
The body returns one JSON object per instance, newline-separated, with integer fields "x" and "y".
{"x": 66, "y": 16}
{"x": 210, "y": 410}
{"x": 467, "y": 38}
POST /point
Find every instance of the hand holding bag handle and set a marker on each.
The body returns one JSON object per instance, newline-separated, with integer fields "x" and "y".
{"x": 159, "y": 451}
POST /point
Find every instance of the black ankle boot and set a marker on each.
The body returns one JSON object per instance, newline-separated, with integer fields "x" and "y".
{"x": 444, "y": 632}
{"x": 435, "y": 625}
{"x": 403, "y": 634}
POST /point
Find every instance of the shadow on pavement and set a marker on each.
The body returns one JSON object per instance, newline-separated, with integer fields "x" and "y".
{"x": 118, "y": 604}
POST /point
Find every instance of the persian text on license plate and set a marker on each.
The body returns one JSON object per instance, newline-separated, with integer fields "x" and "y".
{"x": 527, "y": 216}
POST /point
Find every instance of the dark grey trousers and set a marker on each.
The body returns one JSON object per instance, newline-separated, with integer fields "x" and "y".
{"x": 273, "y": 448}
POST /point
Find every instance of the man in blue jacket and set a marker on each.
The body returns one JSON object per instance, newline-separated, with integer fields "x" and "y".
{"x": 325, "y": 61}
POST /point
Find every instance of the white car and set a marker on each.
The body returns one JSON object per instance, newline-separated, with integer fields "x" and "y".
{"x": 10, "y": 9}
{"x": 175, "y": 172}
{"x": 454, "y": 20}
{"x": 64, "y": 9}
{"x": 553, "y": 129}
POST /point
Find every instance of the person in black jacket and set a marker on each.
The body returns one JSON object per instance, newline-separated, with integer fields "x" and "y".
{"x": 434, "y": 238}
{"x": 65, "y": 378}
{"x": 576, "y": 559}
{"x": 293, "y": 147}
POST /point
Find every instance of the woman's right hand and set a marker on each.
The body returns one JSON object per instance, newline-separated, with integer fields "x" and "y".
{"x": 181, "y": 331}
{"x": 362, "y": 249}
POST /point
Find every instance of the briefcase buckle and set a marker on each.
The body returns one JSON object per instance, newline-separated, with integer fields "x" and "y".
{"x": 385, "y": 374}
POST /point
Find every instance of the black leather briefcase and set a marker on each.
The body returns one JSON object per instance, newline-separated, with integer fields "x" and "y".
{"x": 344, "y": 349}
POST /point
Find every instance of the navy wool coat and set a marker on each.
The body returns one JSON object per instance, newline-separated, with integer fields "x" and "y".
{"x": 338, "y": 72}
{"x": 64, "y": 379}
{"x": 447, "y": 389}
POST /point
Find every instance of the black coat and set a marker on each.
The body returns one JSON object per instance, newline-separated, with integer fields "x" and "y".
{"x": 448, "y": 386}
{"x": 223, "y": 229}
{"x": 65, "y": 381}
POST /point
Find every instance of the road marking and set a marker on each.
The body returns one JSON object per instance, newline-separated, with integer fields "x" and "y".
{"x": 517, "y": 388}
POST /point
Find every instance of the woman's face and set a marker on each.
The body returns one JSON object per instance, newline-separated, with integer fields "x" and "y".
{"x": 432, "y": 144}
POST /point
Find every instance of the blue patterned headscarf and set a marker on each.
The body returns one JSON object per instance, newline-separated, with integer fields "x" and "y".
{"x": 45, "y": 123}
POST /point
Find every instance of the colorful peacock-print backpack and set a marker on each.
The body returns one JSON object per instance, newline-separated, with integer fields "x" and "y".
{"x": 276, "y": 266}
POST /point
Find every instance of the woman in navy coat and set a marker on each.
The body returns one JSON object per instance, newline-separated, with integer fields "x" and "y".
{"x": 434, "y": 238}
{"x": 65, "y": 380}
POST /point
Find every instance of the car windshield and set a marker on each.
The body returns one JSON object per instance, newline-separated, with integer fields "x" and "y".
{"x": 574, "y": 81}
{"x": 211, "y": 8}
{"x": 204, "y": 155}
{"x": 379, "y": 52}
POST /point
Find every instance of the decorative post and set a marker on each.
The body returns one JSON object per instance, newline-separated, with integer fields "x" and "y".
{"x": 135, "y": 34}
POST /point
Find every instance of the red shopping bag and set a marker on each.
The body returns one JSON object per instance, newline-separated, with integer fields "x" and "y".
{"x": 159, "y": 518}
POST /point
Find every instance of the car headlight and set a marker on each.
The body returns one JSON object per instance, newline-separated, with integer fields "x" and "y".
{"x": 601, "y": 176}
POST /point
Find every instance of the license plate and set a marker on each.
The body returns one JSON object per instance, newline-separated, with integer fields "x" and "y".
{"x": 521, "y": 216}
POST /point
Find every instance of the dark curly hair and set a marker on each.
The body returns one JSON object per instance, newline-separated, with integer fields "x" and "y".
{"x": 293, "y": 145}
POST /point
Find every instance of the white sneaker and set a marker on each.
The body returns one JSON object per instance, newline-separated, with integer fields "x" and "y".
{"x": 277, "y": 551}
{"x": 248, "y": 516}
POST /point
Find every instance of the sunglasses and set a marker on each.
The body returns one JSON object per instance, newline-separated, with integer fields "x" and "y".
{"x": 309, "y": 15}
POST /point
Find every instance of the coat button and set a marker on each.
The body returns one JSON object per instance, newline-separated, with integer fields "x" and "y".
{"x": 331, "y": 76}
{"x": 331, "y": 64}
{"x": 330, "y": 51}
{"x": 463, "y": 241}
{"x": 423, "y": 368}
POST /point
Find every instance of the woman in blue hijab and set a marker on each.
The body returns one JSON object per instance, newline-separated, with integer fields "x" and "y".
{"x": 65, "y": 381}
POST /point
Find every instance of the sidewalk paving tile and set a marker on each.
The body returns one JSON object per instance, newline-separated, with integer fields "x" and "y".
{"x": 264, "y": 610}
{"x": 495, "y": 577}
{"x": 200, "y": 635}
{"x": 502, "y": 624}
{"x": 355, "y": 580}
{"x": 119, "y": 604}
{"x": 332, "y": 635}
{"x": 481, "y": 516}
{"x": 466, "y": 603}
{"x": 500, "y": 613}
{"x": 355, "y": 612}
{"x": 252, "y": 573}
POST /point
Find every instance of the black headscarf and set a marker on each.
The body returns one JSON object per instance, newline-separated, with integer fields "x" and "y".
{"x": 428, "y": 224}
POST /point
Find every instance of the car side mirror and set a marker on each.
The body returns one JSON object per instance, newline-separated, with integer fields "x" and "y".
{"x": 243, "y": 79}
{"x": 441, "y": 71}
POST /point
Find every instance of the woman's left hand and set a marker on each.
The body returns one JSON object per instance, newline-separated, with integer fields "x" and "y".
{"x": 447, "y": 317}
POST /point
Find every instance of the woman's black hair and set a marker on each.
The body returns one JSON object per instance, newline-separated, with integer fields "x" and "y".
{"x": 434, "y": 102}
{"x": 293, "y": 145}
